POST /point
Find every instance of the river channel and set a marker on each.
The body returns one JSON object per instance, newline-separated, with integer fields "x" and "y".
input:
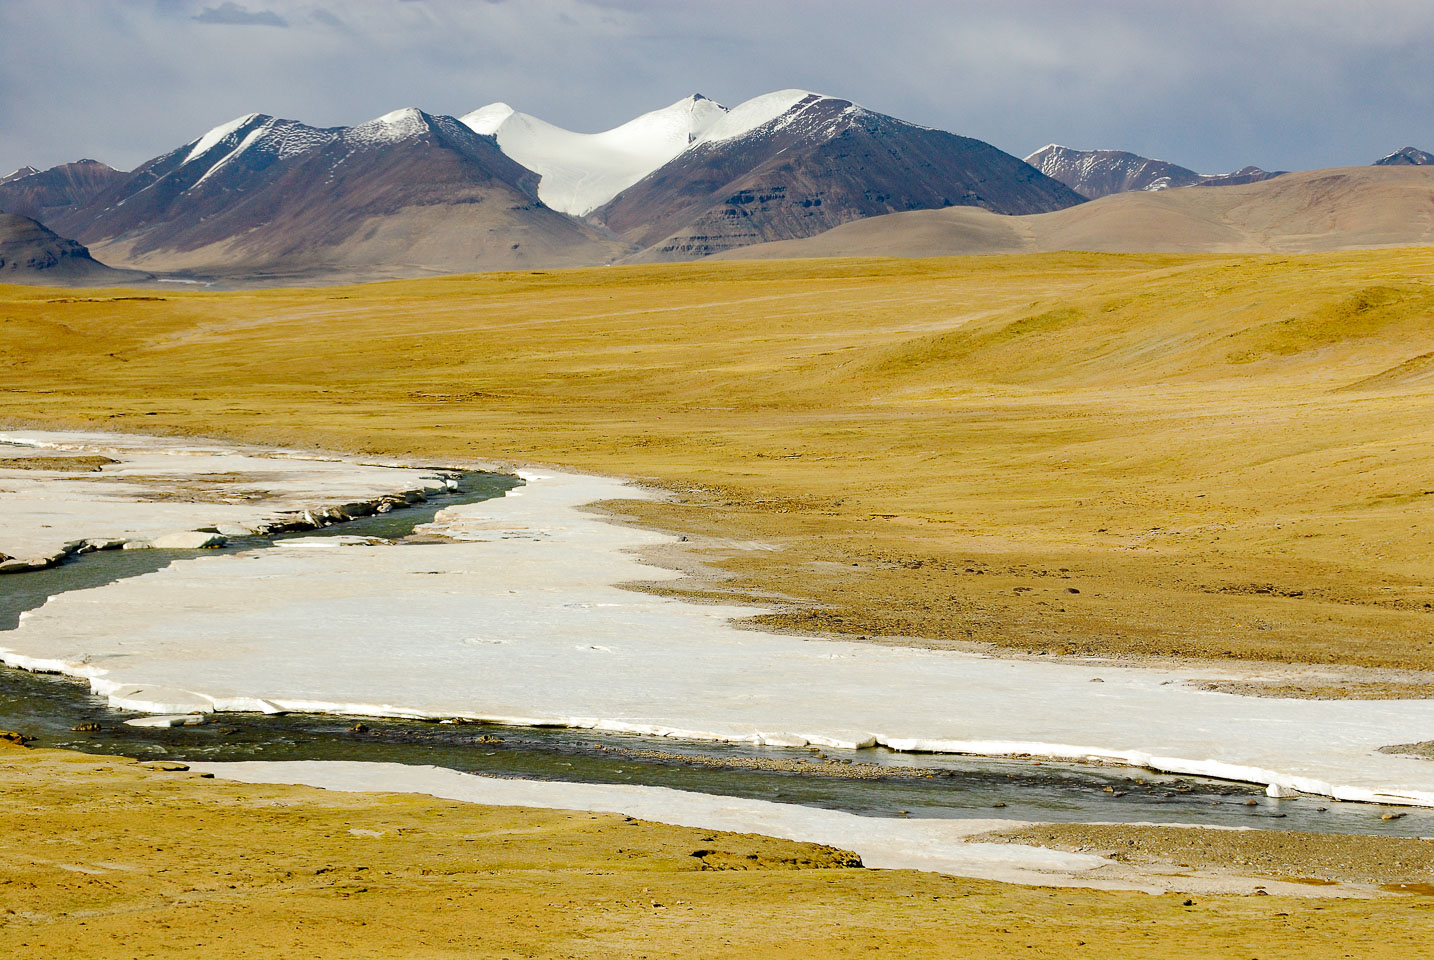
{"x": 60, "y": 712}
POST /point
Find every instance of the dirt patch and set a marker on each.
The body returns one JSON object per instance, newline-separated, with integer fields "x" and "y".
{"x": 204, "y": 488}
{"x": 87, "y": 464}
{"x": 1424, "y": 749}
{"x": 1317, "y": 858}
{"x": 1391, "y": 690}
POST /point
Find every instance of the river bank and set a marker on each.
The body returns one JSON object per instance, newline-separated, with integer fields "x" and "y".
{"x": 134, "y": 861}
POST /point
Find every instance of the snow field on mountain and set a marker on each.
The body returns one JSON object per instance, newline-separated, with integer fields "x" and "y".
{"x": 213, "y": 138}
{"x": 582, "y": 171}
{"x": 751, "y": 114}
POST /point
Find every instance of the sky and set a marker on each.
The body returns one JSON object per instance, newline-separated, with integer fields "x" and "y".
{"x": 1209, "y": 84}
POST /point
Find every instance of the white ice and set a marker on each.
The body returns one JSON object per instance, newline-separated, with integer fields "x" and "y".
{"x": 136, "y": 498}
{"x": 521, "y": 621}
{"x": 582, "y": 171}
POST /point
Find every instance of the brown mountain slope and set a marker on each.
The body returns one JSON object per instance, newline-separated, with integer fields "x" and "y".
{"x": 407, "y": 194}
{"x": 42, "y": 194}
{"x": 1314, "y": 210}
{"x": 30, "y": 253}
{"x": 1099, "y": 173}
{"x": 822, "y": 163}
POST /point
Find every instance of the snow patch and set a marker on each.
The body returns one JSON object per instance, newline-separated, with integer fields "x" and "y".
{"x": 20, "y": 174}
{"x": 212, "y": 139}
{"x": 582, "y": 171}
{"x": 244, "y": 144}
{"x": 752, "y": 114}
{"x": 487, "y": 120}
{"x": 392, "y": 127}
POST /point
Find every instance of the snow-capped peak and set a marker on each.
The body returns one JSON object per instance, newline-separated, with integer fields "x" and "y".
{"x": 211, "y": 139}
{"x": 1046, "y": 149}
{"x": 582, "y": 171}
{"x": 403, "y": 115}
{"x": 391, "y": 127}
{"x": 756, "y": 112}
{"x": 487, "y": 120}
{"x": 16, "y": 175}
{"x": 674, "y": 126}
{"x": 269, "y": 136}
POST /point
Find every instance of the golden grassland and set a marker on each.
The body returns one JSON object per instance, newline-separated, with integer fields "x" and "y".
{"x": 1208, "y": 456}
{"x": 1202, "y": 456}
{"x": 130, "y": 862}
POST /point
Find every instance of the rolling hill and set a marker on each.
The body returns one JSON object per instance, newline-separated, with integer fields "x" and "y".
{"x": 30, "y": 253}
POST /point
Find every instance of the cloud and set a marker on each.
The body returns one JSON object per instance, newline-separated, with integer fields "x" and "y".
{"x": 322, "y": 16}
{"x": 1286, "y": 84}
{"x": 232, "y": 14}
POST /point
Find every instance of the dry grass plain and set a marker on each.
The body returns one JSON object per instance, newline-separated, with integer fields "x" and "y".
{"x": 1122, "y": 455}
{"x": 1195, "y": 456}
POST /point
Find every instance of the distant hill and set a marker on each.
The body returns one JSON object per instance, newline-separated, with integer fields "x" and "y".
{"x": 1100, "y": 173}
{"x": 1313, "y": 210}
{"x": 44, "y": 193}
{"x": 1406, "y": 157}
{"x": 30, "y": 253}
{"x": 795, "y": 163}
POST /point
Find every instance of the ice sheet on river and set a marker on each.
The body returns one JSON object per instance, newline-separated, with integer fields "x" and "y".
{"x": 520, "y": 622}
{"x": 165, "y": 486}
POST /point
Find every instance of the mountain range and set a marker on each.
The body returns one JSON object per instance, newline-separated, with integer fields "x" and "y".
{"x": 267, "y": 200}
{"x": 1406, "y": 157}
{"x": 1099, "y": 173}
{"x": 411, "y": 193}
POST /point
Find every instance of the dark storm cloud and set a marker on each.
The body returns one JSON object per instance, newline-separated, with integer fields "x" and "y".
{"x": 1212, "y": 85}
{"x": 232, "y": 13}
